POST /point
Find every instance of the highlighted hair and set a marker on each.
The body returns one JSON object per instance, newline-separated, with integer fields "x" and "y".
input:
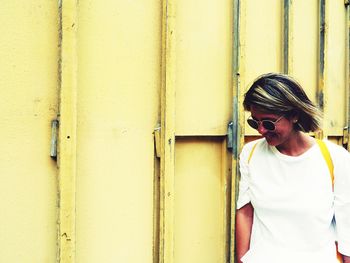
{"x": 280, "y": 94}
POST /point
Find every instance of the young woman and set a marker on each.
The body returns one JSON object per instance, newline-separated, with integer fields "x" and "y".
{"x": 288, "y": 209}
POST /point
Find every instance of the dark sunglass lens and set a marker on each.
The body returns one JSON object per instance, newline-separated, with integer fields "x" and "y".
{"x": 253, "y": 123}
{"x": 268, "y": 125}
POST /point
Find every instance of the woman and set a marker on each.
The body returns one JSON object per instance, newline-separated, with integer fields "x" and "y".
{"x": 287, "y": 207}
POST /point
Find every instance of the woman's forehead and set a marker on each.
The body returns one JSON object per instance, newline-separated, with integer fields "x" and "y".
{"x": 258, "y": 113}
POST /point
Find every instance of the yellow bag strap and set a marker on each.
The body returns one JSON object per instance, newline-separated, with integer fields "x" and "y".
{"x": 251, "y": 152}
{"x": 327, "y": 157}
{"x": 325, "y": 153}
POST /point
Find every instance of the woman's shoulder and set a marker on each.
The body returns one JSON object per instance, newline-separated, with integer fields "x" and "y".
{"x": 335, "y": 148}
{"x": 251, "y": 146}
{"x": 338, "y": 153}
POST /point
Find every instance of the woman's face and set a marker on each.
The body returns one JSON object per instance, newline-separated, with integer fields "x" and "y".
{"x": 284, "y": 128}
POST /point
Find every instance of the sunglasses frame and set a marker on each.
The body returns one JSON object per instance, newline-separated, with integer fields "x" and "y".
{"x": 250, "y": 122}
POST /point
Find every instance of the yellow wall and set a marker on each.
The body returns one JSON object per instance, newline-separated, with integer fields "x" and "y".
{"x": 119, "y": 48}
{"x": 200, "y": 200}
{"x": 336, "y": 74}
{"x": 203, "y": 101}
{"x": 203, "y": 49}
{"x": 304, "y": 44}
{"x": 29, "y": 82}
{"x": 113, "y": 71}
{"x": 262, "y": 49}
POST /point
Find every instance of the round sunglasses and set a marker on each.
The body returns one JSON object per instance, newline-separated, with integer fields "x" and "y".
{"x": 267, "y": 124}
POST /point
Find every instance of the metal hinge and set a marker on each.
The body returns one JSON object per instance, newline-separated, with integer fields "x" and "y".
{"x": 54, "y": 136}
{"x": 157, "y": 141}
{"x": 230, "y": 136}
{"x": 346, "y": 135}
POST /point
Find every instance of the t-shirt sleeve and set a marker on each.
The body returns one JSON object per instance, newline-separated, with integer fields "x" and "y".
{"x": 342, "y": 199}
{"x": 244, "y": 183}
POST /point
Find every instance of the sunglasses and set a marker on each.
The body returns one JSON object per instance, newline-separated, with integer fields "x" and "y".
{"x": 267, "y": 124}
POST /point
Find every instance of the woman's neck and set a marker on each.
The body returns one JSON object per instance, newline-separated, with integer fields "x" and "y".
{"x": 296, "y": 144}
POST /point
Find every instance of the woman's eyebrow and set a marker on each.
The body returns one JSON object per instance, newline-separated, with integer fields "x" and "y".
{"x": 267, "y": 118}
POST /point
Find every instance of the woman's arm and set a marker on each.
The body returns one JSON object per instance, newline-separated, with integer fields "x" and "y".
{"x": 346, "y": 259}
{"x": 341, "y": 160}
{"x": 244, "y": 222}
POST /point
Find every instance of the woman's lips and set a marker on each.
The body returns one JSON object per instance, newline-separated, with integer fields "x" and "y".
{"x": 269, "y": 136}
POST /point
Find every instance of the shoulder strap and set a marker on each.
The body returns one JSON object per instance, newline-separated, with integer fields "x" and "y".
{"x": 328, "y": 159}
{"x": 326, "y": 155}
{"x": 251, "y": 152}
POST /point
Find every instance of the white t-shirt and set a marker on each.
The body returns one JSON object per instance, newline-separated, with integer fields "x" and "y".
{"x": 294, "y": 203}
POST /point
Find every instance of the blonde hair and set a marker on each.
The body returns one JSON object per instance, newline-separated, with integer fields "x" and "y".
{"x": 280, "y": 94}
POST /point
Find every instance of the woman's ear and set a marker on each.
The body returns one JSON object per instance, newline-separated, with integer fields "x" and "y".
{"x": 294, "y": 116}
{"x": 295, "y": 119}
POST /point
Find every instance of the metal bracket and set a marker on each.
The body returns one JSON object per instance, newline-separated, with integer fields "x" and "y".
{"x": 157, "y": 141}
{"x": 54, "y": 136}
{"x": 230, "y": 136}
{"x": 346, "y": 135}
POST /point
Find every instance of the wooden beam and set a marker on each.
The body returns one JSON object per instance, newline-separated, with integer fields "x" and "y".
{"x": 167, "y": 158}
{"x": 67, "y": 131}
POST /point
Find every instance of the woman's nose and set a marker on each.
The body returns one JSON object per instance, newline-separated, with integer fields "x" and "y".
{"x": 261, "y": 129}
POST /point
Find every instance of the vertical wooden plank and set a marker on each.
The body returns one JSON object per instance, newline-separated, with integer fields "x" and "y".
{"x": 227, "y": 203}
{"x": 237, "y": 113}
{"x": 321, "y": 74}
{"x": 156, "y": 205}
{"x": 287, "y": 36}
{"x": 67, "y": 135}
{"x": 167, "y": 164}
{"x": 347, "y": 78}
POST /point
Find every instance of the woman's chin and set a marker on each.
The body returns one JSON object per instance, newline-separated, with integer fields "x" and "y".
{"x": 272, "y": 139}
